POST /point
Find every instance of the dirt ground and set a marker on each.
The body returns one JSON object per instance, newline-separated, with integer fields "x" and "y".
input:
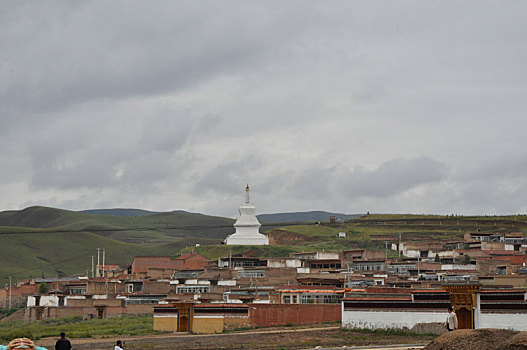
{"x": 261, "y": 339}
{"x": 480, "y": 339}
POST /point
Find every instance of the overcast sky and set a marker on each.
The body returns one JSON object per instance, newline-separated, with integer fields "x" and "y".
{"x": 346, "y": 106}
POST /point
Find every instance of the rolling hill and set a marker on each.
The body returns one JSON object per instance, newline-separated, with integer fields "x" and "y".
{"x": 119, "y": 212}
{"x": 307, "y": 216}
{"x": 63, "y": 241}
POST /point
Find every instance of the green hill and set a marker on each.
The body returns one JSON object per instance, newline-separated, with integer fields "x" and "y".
{"x": 152, "y": 229}
{"x": 61, "y": 242}
{"x": 306, "y": 216}
{"x": 374, "y": 232}
{"x": 119, "y": 212}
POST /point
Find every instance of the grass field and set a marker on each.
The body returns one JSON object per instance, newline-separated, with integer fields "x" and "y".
{"x": 76, "y": 327}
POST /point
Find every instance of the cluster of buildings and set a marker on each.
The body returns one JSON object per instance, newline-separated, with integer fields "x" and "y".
{"x": 484, "y": 276}
{"x": 359, "y": 287}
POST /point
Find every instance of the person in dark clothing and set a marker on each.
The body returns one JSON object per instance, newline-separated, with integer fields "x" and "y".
{"x": 63, "y": 343}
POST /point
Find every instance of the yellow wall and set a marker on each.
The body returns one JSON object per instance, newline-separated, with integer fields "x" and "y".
{"x": 165, "y": 324}
{"x": 515, "y": 281}
{"x": 207, "y": 325}
{"x": 236, "y": 322}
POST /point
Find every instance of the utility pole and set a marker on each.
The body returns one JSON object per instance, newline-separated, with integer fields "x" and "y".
{"x": 399, "y": 247}
{"x": 103, "y": 257}
{"x": 97, "y": 273}
{"x": 10, "y": 295}
{"x": 92, "y": 272}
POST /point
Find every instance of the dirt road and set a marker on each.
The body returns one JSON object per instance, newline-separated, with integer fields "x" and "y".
{"x": 305, "y": 338}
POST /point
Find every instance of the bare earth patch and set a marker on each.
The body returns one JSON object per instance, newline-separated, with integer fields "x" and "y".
{"x": 260, "y": 339}
{"x": 480, "y": 339}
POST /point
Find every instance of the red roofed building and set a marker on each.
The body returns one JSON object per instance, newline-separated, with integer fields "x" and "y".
{"x": 165, "y": 266}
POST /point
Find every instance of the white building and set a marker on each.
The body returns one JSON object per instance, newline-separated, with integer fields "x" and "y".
{"x": 498, "y": 308}
{"x": 247, "y": 226}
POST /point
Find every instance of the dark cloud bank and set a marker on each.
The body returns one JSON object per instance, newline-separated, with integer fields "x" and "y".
{"x": 346, "y": 106}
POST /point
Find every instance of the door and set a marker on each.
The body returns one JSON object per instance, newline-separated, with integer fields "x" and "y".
{"x": 183, "y": 324}
{"x": 464, "y": 318}
{"x": 38, "y": 314}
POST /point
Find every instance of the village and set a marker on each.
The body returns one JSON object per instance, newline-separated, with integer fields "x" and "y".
{"x": 409, "y": 285}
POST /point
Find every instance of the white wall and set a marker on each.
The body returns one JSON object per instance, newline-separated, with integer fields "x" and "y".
{"x": 412, "y": 253}
{"x": 327, "y": 255}
{"x": 389, "y": 319}
{"x": 517, "y": 322}
{"x": 226, "y": 282}
{"x": 45, "y": 300}
{"x": 399, "y": 319}
{"x": 280, "y": 263}
{"x": 452, "y": 267}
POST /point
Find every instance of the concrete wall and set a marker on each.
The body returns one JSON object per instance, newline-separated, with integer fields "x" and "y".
{"x": 263, "y": 315}
{"x": 517, "y": 321}
{"x": 45, "y": 300}
{"x": 284, "y": 263}
{"x": 398, "y": 319}
{"x": 453, "y": 267}
{"x": 389, "y": 319}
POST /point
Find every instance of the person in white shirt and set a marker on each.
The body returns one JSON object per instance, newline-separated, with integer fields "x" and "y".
{"x": 451, "y": 320}
{"x": 118, "y": 346}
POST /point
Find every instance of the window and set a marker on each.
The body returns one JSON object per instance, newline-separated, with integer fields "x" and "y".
{"x": 251, "y": 274}
{"x": 192, "y": 289}
{"x": 308, "y": 298}
{"x": 78, "y": 290}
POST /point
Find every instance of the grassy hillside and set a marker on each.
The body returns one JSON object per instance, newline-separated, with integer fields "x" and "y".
{"x": 61, "y": 242}
{"x": 150, "y": 229}
{"x": 359, "y": 233}
{"x": 26, "y": 254}
{"x": 308, "y": 216}
{"x": 119, "y": 212}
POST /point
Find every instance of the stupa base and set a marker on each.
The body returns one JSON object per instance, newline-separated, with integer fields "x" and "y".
{"x": 237, "y": 239}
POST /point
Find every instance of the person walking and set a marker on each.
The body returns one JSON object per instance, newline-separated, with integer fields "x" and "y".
{"x": 451, "y": 320}
{"x": 118, "y": 346}
{"x": 63, "y": 343}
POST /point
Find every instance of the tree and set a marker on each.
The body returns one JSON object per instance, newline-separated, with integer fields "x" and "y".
{"x": 437, "y": 258}
{"x": 467, "y": 259}
{"x": 43, "y": 288}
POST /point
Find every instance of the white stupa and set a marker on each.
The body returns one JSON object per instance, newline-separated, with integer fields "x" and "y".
{"x": 247, "y": 226}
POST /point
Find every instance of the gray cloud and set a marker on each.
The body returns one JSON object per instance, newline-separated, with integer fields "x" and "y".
{"x": 349, "y": 106}
{"x": 393, "y": 177}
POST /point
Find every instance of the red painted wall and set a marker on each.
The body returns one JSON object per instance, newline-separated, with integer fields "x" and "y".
{"x": 264, "y": 315}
